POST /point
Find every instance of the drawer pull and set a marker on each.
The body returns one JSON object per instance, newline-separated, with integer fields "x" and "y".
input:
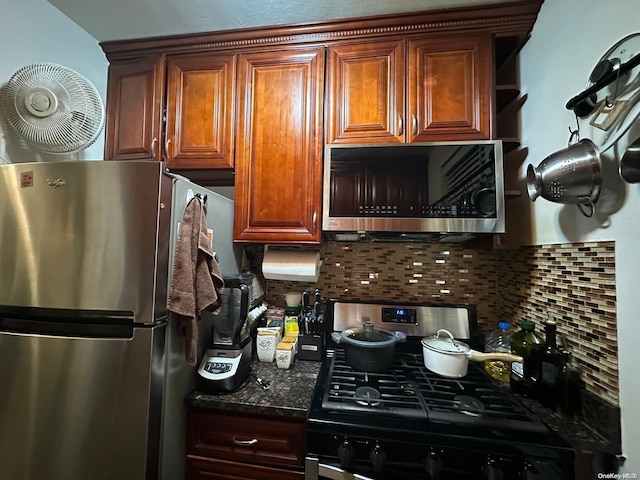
{"x": 245, "y": 443}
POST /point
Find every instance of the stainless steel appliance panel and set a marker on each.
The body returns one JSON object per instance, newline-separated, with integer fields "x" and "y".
{"x": 83, "y": 235}
{"x": 434, "y": 187}
{"x": 74, "y": 408}
{"x": 412, "y": 320}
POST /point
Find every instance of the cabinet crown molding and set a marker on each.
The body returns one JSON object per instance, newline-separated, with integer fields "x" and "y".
{"x": 506, "y": 19}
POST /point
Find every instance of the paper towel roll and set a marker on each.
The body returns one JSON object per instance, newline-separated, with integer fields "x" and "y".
{"x": 289, "y": 265}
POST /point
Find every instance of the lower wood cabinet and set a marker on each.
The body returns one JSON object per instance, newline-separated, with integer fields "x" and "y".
{"x": 230, "y": 446}
{"x": 200, "y": 468}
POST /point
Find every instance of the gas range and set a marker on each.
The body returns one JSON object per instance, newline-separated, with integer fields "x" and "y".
{"x": 407, "y": 422}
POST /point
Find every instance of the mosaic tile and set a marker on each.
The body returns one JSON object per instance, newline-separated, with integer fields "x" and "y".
{"x": 573, "y": 283}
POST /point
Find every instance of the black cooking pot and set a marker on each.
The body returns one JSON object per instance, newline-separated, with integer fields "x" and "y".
{"x": 367, "y": 348}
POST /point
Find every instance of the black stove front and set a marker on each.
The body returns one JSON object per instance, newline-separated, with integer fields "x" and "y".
{"x": 409, "y": 423}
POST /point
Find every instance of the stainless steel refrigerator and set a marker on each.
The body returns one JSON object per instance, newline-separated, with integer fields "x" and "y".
{"x": 92, "y": 370}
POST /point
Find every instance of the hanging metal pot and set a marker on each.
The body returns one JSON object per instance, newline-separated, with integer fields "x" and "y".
{"x": 571, "y": 176}
{"x": 630, "y": 163}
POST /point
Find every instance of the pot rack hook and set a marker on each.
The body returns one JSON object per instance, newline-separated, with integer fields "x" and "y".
{"x": 574, "y": 135}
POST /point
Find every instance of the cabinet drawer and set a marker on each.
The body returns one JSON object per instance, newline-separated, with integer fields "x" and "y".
{"x": 246, "y": 439}
{"x": 207, "y": 469}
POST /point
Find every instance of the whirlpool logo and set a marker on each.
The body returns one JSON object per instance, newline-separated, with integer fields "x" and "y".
{"x": 59, "y": 182}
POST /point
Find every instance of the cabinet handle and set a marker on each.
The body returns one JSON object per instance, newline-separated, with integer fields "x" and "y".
{"x": 400, "y": 125}
{"x": 315, "y": 226}
{"x": 153, "y": 147}
{"x": 167, "y": 143}
{"x": 414, "y": 124}
{"x": 253, "y": 441}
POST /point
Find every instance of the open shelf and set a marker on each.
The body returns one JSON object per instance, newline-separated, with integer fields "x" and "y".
{"x": 508, "y": 102}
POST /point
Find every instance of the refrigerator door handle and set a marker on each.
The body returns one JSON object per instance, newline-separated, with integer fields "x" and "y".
{"x": 65, "y": 329}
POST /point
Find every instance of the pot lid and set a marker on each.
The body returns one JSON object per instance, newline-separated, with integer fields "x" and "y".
{"x": 445, "y": 345}
{"x": 368, "y": 336}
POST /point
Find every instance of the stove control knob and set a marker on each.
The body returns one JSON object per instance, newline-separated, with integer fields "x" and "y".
{"x": 345, "y": 453}
{"x": 529, "y": 472}
{"x": 433, "y": 463}
{"x": 491, "y": 470}
{"x": 378, "y": 457}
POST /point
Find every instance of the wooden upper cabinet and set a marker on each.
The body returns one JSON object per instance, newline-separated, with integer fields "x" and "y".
{"x": 366, "y": 93}
{"x": 279, "y": 146}
{"x": 175, "y": 108}
{"x": 134, "y": 108}
{"x": 411, "y": 90}
{"x": 450, "y": 85}
{"x": 200, "y": 99}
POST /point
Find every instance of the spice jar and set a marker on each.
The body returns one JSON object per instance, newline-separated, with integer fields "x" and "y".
{"x": 285, "y": 355}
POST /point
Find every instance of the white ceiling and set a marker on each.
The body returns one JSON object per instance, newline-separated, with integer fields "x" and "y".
{"x": 123, "y": 19}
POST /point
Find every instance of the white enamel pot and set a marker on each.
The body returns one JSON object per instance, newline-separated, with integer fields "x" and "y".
{"x": 449, "y": 357}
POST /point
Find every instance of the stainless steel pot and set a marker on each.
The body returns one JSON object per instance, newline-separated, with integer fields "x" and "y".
{"x": 449, "y": 357}
{"x": 571, "y": 175}
{"x": 367, "y": 348}
{"x": 630, "y": 163}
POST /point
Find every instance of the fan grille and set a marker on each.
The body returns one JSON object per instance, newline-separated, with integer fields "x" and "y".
{"x": 53, "y": 108}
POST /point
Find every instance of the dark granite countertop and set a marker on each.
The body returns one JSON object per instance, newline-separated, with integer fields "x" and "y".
{"x": 289, "y": 394}
{"x": 598, "y": 432}
{"x": 291, "y": 391}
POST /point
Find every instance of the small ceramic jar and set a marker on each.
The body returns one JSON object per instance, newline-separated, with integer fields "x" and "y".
{"x": 293, "y": 339}
{"x": 284, "y": 355}
{"x": 266, "y": 342}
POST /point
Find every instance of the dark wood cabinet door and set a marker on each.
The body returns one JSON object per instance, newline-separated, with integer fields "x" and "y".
{"x": 366, "y": 94}
{"x": 199, "y": 468}
{"x": 449, "y": 88}
{"x": 134, "y": 108}
{"x": 279, "y": 146}
{"x": 243, "y": 438}
{"x": 200, "y": 99}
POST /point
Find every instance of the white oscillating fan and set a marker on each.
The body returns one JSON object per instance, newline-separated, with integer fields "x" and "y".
{"x": 53, "y": 108}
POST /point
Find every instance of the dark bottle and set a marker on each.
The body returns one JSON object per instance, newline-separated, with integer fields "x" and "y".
{"x": 569, "y": 387}
{"x": 551, "y": 365}
{"x": 525, "y": 376}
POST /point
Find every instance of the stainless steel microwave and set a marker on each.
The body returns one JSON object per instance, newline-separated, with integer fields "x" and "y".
{"x": 406, "y": 190}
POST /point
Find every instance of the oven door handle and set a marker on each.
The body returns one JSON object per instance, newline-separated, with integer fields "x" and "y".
{"x": 314, "y": 470}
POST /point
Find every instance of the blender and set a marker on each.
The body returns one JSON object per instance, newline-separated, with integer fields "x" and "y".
{"x": 225, "y": 364}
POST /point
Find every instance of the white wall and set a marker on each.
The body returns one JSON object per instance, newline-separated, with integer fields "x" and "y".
{"x": 568, "y": 39}
{"x": 34, "y": 31}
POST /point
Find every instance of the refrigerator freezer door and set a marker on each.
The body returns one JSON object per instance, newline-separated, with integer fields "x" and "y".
{"x": 85, "y": 236}
{"x": 219, "y": 220}
{"x": 76, "y": 408}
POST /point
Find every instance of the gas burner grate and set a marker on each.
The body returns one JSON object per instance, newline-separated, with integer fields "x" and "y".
{"x": 408, "y": 389}
{"x": 396, "y": 395}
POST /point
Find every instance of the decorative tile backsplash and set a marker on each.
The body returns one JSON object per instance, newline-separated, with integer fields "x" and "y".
{"x": 573, "y": 283}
